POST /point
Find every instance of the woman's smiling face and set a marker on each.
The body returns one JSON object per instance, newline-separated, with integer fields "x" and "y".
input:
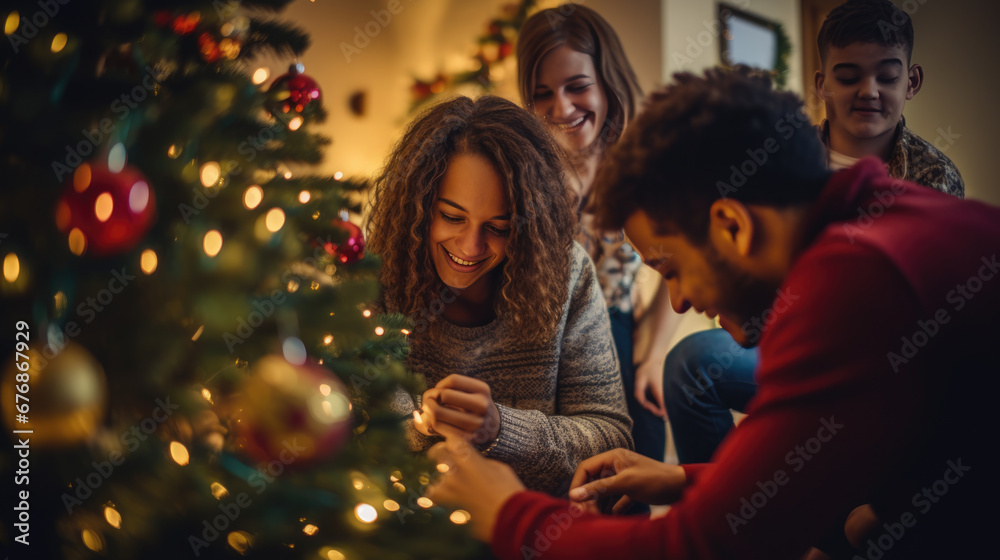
{"x": 570, "y": 98}
{"x": 470, "y": 223}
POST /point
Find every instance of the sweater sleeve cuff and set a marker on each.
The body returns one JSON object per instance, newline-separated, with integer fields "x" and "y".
{"x": 516, "y": 516}
{"x": 693, "y": 471}
{"x": 516, "y": 435}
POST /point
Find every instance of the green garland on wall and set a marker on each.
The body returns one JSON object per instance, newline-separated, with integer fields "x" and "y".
{"x": 784, "y": 52}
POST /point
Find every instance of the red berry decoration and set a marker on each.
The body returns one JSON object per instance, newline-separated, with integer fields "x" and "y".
{"x": 105, "y": 212}
{"x": 294, "y": 91}
{"x": 296, "y": 414}
{"x": 352, "y": 248}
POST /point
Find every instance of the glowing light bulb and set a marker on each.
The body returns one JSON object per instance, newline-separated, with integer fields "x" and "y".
{"x": 252, "y": 196}
{"x": 58, "y": 42}
{"x": 12, "y": 269}
{"x": 210, "y": 173}
{"x": 212, "y": 243}
{"x": 275, "y": 219}
{"x": 112, "y": 516}
{"x": 460, "y": 517}
{"x": 103, "y": 207}
{"x": 179, "y": 453}
{"x": 148, "y": 261}
{"x": 338, "y": 175}
{"x": 13, "y": 21}
{"x": 365, "y": 513}
{"x": 260, "y": 75}
{"x": 81, "y": 177}
{"x": 304, "y": 197}
{"x": 295, "y": 123}
{"x": 77, "y": 242}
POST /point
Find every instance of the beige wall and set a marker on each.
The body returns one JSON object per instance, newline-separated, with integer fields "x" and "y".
{"x": 956, "y": 43}
{"x": 422, "y": 38}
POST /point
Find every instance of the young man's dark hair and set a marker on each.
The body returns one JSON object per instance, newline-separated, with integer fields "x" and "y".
{"x": 866, "y": 21}
{"x": 664, "y": 166}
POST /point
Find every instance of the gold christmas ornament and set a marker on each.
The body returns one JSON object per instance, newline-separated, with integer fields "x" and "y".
{"x": 67, "y": 397}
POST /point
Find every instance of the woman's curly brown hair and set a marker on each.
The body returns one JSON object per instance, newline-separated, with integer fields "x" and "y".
{"x": 535, "y": 274}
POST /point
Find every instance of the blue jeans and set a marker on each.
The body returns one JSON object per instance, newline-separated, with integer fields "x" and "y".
{"x": 648, "y": 430}
{"x": 704, "y": 376}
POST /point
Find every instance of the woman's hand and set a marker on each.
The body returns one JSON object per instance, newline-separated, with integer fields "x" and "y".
{"x": 625, "y": 473}
{"x": 463, "y": 403}
{"x": 649, "y": 383}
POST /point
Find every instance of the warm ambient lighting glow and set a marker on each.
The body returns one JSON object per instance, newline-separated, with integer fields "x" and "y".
{"x": 304, "y": 197}
{"x": 260, "y": 76}
{"x": 460, "y": 517}
{"x": 295, "y": 123}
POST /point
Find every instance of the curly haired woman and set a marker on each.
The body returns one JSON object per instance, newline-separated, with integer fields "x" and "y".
{"x": 473, "y": 222}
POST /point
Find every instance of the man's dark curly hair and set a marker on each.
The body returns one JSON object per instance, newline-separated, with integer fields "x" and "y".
{"x": 727, "y": 134}
{"x": 535, "y": 273}
{"x": 866, "y": 21}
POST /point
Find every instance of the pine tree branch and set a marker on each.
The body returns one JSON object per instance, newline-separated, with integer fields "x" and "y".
{"x": 270, "y": 36}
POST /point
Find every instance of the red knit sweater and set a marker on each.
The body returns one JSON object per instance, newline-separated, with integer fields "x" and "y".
{"x": 872, "y": 383}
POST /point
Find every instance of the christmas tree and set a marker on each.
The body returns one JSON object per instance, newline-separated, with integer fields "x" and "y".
{"x": 194, "y": 372}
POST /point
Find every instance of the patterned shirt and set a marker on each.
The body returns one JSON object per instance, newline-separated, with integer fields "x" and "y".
{"x": 617, "y": 263}
{"x": 917, "y": 160}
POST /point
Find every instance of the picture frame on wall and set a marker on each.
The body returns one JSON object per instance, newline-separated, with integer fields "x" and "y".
{"x": 748, "y": 39}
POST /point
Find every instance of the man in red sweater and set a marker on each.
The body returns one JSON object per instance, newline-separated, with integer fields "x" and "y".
{"x": 876, "y": 305}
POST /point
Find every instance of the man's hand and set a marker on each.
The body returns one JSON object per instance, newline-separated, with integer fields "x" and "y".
{"x": 625, "y": 473}
{"x": 463, "y": 403}
{"x": 472, "y": 482}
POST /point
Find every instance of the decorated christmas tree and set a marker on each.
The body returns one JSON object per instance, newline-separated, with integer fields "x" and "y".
{"x": 192, "y": 370}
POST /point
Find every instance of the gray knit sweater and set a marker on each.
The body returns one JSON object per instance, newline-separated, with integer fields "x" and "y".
{"x": 560, "y": 397}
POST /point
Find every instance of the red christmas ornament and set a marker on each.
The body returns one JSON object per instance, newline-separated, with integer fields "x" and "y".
{"x": 296, "y": 414}
{"x": 294, "y": 91}
{"x": 352, "y": 248}
{"x": 105, "y": 212}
